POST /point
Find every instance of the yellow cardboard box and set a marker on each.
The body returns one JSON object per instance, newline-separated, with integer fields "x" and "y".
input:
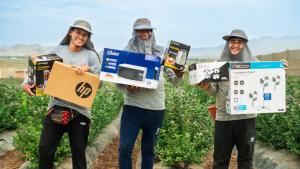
{"x": 66, "y": 84}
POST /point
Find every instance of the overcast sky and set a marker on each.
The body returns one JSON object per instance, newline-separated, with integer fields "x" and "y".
{"x": 200, "y": 23}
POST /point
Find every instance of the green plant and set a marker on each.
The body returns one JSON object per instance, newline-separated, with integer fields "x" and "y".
{"x": 10, "y": 103}
{"x": 282, "y": 130}
{"x": 186, "y": 134}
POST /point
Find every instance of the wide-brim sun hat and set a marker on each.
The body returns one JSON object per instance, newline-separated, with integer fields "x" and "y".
{"x": 82, "y": 24}
{"x": 142, "y": 23}
{"x": 237, "y": 33}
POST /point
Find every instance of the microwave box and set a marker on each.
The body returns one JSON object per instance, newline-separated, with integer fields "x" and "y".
{"x": 130, "y": 68}
{"x": 66, "y": 84}
{"x": 175, "y": 55}
{"x": 39, "y": 67}
{"x": 208, "y": 72}
{"x": 256, "y": 87}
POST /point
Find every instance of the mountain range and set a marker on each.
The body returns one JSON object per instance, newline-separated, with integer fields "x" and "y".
{"x": 260, "y": 46}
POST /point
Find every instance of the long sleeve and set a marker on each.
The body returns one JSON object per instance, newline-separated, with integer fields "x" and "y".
{"x": 213, "y": 89}
{"x": 171, "y": 76}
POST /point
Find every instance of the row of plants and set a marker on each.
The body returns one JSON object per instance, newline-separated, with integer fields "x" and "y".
{"x": 105, "y": 109}
{"x": 282, "y": 130}
{"x": 187, "y": 132}
{"x": 11, "y": 104}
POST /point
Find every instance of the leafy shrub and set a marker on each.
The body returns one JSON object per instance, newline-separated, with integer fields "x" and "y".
{"x": 282, "y": 130}
{"x": 10, "y": 103}
{"x": 186, "y": 134}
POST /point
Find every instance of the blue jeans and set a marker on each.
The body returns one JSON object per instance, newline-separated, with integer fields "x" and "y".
{"x": 133, "y": 119}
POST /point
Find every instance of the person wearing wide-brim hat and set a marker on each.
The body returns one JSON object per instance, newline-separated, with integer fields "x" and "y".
{"x": 232, "y": 130}
{"x": 75, "y": 49}
{"x": 143, "y": 108}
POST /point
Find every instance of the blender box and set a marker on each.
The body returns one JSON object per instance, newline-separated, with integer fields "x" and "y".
{"x": 256, "y": 87}
{"x": 66, "y": 84}
{"x": 130, "y": 68}
{"x": 39, "y": 67}
{"x": 208, "y": 72}
{"x": 175, "y": 55}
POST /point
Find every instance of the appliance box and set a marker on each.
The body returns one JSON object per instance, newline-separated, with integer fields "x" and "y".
{"x": 39, "y": 67}
{"x": 175, "y": 55}
{"x": 256, "y": 87}
{"x": 130, "y": 68}
{"x": 208, "y": 72}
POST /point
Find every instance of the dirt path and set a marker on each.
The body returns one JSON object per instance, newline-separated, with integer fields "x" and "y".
{"x": 11, "y": 160}
{"x": 109, "y": 157}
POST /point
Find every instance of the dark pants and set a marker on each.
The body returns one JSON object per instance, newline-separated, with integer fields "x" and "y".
{"x": 133, "y": 119}
{"x": 78, "y": 131}
{"x": 239, "y": 133}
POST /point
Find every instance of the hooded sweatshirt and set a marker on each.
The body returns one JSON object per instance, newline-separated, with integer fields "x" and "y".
{"x": 221, "y": 89}
{"x": 153, "y": 99}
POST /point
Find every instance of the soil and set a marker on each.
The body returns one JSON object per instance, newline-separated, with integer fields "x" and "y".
{"x": 11, "y": 160}
{"x": 209, "y": 160}
{"x": 108, "y": 159}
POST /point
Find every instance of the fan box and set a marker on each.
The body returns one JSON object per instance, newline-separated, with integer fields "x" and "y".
{"x": 208, "y": 72}
{"x": 39, "y": 67}
{"x": 256, "y": 87}
{"x": 130, "y": 68}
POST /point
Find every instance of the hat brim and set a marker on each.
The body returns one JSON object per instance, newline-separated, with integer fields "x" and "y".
{"x": 140, "y": 27}
{"x": 228, "y": 37}
{"x": 82, "y": 27}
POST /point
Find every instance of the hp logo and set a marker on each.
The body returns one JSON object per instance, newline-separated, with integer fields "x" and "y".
{"x": 83, "y": 90}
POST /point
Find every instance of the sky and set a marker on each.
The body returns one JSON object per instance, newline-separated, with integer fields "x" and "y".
{"x": 199, "y": 23}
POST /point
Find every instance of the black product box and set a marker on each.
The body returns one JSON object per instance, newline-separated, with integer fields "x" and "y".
{"x": 39, "y": 67}
{"x": 175, "y": 55}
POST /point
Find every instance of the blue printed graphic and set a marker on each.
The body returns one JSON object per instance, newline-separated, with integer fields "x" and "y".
{"x": 267, "y": 96}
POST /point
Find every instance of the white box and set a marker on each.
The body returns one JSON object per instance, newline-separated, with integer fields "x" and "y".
{"x": 208, "y": 72}
{"x": 256, "y": 87}
{"x": 130, "y": 68}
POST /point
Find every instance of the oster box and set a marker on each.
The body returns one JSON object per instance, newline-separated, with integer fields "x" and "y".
{"x": 130, "y": 68}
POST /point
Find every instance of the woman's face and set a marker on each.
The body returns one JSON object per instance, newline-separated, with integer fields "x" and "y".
{"x": 236, "y": 45}
{"x": 79, "y": 37}
{"x": 144, "y": 34}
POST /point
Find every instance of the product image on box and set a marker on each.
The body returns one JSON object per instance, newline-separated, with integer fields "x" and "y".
{"x": 66, "y": 84}
{"x": 130, "y": 68}
{"x": 208, "y": 72}
{"x": 256, "y": 87}
{"x": 175, "y": 55}
{"x": 39, "y": 67}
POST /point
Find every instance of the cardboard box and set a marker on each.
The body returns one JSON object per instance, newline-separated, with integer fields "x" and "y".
{"x": 39, "y": 68}
{"x": 130, "y": 68}
{"x": 175, "y": 55}
{"x": 66, "y": 84}
{"x": 208, "y": 72}
{"x": 256, "y": 87}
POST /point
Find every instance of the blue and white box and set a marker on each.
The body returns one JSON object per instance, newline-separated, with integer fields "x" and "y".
{"x": 256, "y": 87}
{"x": 130, "y": 68}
